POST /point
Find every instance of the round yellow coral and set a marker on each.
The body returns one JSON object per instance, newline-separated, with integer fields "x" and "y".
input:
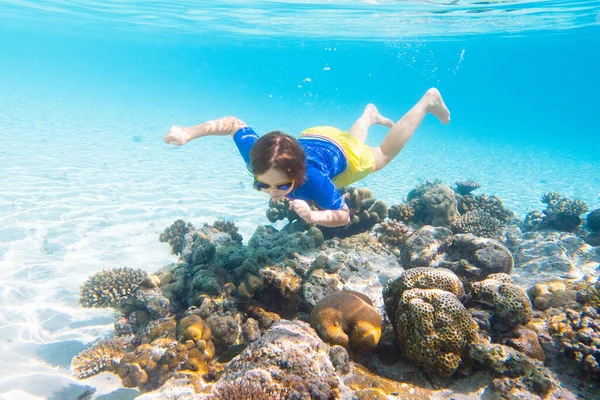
{"x": 347, "y": 318}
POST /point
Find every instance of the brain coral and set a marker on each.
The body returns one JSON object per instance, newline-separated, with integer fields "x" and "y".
{"x": 348, "y": 319}
{"x": 420, "y": 278}
{"x": 509, "y": 302}
{"x": 111, "y": 288}
{"x": 434, "y": 329}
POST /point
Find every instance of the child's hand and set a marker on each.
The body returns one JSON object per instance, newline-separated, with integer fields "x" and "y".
{"x": 177, "y": 136}
{"x": 302, "y": 209}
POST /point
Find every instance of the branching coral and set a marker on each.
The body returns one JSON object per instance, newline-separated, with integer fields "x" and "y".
{"x": 111, "y": 288}
{"x": 561, "y": 213}
{"x": 491, "y": 205}
{"x": 403, "y": 212}
{"x": 392, "y": 232}
{"x": 104, "y": 356}
{"x": 480, "y": 224}
{"x": 174, "y": 235}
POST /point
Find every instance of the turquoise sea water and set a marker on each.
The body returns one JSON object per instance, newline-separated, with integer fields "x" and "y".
{"x": 88, "y": 89}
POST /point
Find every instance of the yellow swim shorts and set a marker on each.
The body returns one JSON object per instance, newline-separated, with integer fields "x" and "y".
{"x": 361, "y": 161}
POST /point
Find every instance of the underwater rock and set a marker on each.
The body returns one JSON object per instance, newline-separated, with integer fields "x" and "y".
{"x": 527, "y": 376}
{"x": 433, "y": 329}
{"x": 551, "y": 294}
{"x": 425, "y": 246}
{"x": 593, "y": 221}
{"x": 526, "y": 341}
{"x": 289, "y": 355}
{"x": 282, "y": 288}
{"x": 348, "y": 319}
{"x": 319, "y": 285}
{"x": 509, "y": 302}
{"x": 474, "y": 258}
{"x": 546, "y": 255}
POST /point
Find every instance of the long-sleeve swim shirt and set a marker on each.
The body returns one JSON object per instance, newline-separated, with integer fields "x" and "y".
{"x": 324, "y": 160}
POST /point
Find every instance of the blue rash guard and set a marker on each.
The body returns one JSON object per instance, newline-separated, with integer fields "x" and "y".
{"x": 324, "y": 160}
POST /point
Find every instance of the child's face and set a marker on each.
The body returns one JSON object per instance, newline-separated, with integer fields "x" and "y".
{"x": 275, "y": 182}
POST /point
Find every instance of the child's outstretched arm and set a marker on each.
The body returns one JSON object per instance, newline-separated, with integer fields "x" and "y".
{"x": 225, "y": 126}
{"x": 328, "y": 218}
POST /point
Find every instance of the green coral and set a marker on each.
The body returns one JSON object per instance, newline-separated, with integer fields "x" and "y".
{"x": 479, "y": 223}
{"x": 111, "y": 288}
{"x": 174, "y": 235}
{"x": 229, "y": 228}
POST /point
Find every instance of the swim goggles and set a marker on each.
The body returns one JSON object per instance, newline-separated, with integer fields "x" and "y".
{"x": 287, "y": 185}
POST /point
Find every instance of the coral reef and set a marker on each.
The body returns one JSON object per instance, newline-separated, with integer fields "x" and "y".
{"x": 420, "y": 278}
{"x": 561, "y": 214}
{"x": 102, "y": 356}
{"x": 174, "y": 235}
{"x": 365, "y": 212}
{"x": 401, "y": 212}
{"x": 348, "y": 319}
{"x": 439, "y": 205}
{"x": 521, "y": 375}
{"x": 111, "y": 288}
{"x": 466, "y": 187}
{"x": 289, "y": 356}
{"x": 433, "y": 329}
{"x": 578, "y": 335}
{"x": 392, "y": 233}
{"x": 491, "y": 205}
{"x": 553, "y": 293}
{"x": 246, "y": 389}
{"x": 509, "y": 302}
{"x": 479, "y": 223}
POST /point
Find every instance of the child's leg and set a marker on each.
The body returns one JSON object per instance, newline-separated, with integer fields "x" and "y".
{"x": 402, "y": 130}
{"x": 370, "y": 116}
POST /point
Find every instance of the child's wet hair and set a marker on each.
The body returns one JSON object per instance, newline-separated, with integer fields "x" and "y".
{"x": 280, "y": 151}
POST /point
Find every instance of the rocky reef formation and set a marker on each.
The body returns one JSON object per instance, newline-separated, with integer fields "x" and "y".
{"x": 445, "y": 294}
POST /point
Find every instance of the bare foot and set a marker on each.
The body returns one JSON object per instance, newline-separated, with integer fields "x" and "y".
{"x": 436, "y": 106}
{"x": 377, "y": 118}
